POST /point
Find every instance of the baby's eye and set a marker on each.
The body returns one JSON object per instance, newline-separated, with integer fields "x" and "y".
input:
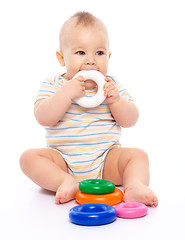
{"x": 100, "y": 53}
{"x": 80, "y": 53}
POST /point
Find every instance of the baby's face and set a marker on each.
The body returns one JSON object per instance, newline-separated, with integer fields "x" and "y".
{"x": 86, "y": 48}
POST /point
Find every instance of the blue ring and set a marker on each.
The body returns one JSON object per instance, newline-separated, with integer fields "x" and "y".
{"x": 92, "y": 214}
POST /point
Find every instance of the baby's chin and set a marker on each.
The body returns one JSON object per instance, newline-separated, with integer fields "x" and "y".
{"x": 89, "y": 84}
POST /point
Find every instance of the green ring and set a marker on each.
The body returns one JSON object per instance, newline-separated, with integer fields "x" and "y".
{"x": 96, "y": 186}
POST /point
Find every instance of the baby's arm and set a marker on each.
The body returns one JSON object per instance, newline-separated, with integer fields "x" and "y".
{"x": 50, "y": 110}
{"x": 124, "y": 111}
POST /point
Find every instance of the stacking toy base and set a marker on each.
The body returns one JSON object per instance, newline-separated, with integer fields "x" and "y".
{"x": 92, "y": 214}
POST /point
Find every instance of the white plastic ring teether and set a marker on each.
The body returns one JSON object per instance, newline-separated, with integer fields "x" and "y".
{"x": 98, "y": 98}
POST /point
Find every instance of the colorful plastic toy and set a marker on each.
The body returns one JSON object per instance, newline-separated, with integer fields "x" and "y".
{"x": 96, "y": 186}
{"x": 98, "y": 98}
{"x": 92, "y": 214}
{"x": 131, "y": 210}
{"x": 109, "y": 199}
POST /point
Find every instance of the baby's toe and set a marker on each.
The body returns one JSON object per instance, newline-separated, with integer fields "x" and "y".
{"x": 155, "y": 202}
{"x": 60, "y": 197}
{"x": 151, "y": 200}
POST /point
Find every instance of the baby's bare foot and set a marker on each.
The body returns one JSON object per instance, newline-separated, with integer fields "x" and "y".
{"x": 140, "y": 193}
{"x": 67, "y": 191}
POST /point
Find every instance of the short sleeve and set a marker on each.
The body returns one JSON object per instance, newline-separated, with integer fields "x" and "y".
{"x": 49, "y": 87}
{"x": 123, "y": 92}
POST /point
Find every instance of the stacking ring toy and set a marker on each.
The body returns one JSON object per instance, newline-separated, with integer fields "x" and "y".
{"x": 131, "y": 210}
{"x": 109, "y": 199}
{"x": 96, "y": 186}
{"x": 98, "y": 98}
{"x": 92, "y": 214}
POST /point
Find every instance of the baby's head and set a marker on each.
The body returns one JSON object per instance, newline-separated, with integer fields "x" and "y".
{"x": 84, "y": 44}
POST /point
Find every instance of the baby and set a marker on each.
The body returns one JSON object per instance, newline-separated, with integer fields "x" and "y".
{"x": 83, "y": 143}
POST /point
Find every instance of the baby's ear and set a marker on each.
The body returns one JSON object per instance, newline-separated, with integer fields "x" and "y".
{"x": 110, "y": 54}
{"x": 60, "y": 58}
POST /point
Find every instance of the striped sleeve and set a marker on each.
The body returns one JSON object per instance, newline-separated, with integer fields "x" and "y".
{"x": 48, "y": 87}
{"x": 123, "y": 92}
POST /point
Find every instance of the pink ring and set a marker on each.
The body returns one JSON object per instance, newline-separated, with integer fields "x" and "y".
{"x": 131, "y": 210}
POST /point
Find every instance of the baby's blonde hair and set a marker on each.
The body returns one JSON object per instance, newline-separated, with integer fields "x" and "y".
{"x": 82, "y": 18}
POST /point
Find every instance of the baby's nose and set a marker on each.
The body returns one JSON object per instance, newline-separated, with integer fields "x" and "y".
{"x": 90, "y": 60}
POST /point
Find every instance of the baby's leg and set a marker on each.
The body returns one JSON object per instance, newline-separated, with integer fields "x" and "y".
{"x": 130, "y": 167}
{"x": 47, "y": 168}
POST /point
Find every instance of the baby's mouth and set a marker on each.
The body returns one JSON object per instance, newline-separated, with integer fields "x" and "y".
{"x": 89, "y": 84}
{"x": 89, "y": 68}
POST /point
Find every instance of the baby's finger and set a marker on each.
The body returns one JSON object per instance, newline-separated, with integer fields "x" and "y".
{"x": 111, "y": 93}
{"x": 108, "y": 79}
{"x": 107, "y": 90}
{"x": 106, "y": 85}
{"x": 80, "y": 78}
{"x": 109, "y": 86}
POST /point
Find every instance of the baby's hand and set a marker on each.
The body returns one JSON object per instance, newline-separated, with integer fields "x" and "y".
{"x": 111, "y": 91}
{"x": 74, "y": 88}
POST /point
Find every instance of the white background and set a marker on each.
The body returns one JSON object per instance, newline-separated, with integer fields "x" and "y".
{"x": 148, "y": 56}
